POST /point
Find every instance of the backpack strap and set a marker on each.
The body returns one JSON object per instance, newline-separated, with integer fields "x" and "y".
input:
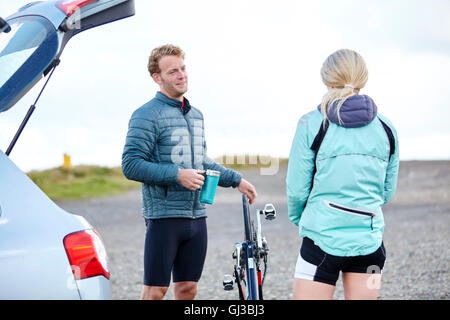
{"x": 323, "y": 131}
{"x": 390, "y": 136}
{"x": 319, "y": 138}
{"x": 316, "y": 144}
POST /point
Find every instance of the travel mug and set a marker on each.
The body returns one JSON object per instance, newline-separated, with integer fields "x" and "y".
{"x": 209, "y": 187}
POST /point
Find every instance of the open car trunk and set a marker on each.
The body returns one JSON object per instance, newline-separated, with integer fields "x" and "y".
{"x": 33, "y": 39}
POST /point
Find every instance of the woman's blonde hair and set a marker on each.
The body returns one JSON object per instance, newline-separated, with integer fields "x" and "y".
{"x": 345, "y": 73}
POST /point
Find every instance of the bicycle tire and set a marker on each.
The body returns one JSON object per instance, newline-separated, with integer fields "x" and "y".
{"x": 247, "y": 223}
{"x": 250, "y": 263}
{"x": 239, "y": 284}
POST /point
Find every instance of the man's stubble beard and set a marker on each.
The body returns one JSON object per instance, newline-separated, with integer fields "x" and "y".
{"x": 172, "y": 90}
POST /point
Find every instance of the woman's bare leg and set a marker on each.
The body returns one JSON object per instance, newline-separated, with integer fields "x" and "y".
{"x": 361, "y": 286}
{"x": 312, "y": 290}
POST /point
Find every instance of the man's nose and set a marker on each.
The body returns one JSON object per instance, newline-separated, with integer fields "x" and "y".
{"x": 182, "y": 74}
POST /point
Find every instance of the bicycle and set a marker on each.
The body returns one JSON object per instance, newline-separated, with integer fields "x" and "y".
{"x": 249, "y": 254}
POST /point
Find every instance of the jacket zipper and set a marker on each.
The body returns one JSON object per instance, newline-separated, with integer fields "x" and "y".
{"x": 356, "y": 212}
{"x": 192, "y": 158}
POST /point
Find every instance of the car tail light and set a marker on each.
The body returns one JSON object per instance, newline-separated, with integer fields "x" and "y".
{"x": 70, "y": 6}
{"x": 87, "y": 254}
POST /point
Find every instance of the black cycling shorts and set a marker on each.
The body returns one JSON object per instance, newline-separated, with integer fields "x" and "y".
{"x": 177, "y": 246}
{"x": 314, "y": 264}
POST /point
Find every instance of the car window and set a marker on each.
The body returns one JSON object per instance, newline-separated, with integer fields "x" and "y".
{"x": 25, "y": 52}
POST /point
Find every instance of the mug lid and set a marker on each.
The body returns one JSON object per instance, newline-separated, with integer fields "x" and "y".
{"x": 213, "y": 173}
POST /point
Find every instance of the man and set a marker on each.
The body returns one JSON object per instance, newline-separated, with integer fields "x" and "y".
{"x": 165, "y": 149}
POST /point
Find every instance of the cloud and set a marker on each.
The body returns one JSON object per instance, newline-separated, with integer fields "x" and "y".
{"x": 410, "y": 25}
{"x": 253, "y": 71}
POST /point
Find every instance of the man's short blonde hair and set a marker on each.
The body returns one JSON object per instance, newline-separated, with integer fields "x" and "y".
{"x": 158, "y": 53}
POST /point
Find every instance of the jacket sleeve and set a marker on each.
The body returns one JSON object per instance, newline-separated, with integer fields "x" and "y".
{"x": 390, "y": 183}
{"x": 228, "y": 177}
{"x": 299, "y": 174}
{"x": 138, "y": 151}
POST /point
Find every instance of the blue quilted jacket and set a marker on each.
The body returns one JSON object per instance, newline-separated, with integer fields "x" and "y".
{"x": 163, "y": 138}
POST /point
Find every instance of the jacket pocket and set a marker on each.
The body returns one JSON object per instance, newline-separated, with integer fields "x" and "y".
{"x": 352, "y": 211}
{"x": 160, "y": 192}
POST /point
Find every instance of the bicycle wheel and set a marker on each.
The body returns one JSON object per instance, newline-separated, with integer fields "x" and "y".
{"x": 241, "y": 284}
{"x": 252, "y": 282}
{"x": 247, "y": 222}
{"x": 248, "y": 248}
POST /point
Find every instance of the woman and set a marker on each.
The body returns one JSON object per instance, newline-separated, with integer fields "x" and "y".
{"x": 343, "y": 168}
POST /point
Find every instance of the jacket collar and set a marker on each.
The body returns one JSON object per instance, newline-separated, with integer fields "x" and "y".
{"x": 185, "y": 106}
{"x": 357, "y": 111}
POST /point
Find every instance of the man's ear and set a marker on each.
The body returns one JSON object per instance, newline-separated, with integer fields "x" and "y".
{"x": 156, "y": 77}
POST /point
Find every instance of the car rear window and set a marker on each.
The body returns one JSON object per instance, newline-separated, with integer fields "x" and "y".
{"x": 25, "y": 52}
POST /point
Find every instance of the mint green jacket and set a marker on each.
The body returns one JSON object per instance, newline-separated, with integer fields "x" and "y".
{"x": 341, "y": 210}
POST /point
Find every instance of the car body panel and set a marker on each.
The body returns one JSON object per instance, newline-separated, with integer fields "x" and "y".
{"x": 33, "y": 261}
{"x": 94, "y": 288}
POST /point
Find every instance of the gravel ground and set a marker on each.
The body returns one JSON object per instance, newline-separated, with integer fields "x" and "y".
{"x": 416, "y": 237}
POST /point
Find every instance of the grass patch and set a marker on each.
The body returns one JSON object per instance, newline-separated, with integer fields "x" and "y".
{"x": 82, "y": 182}
{"x": 249, "y": 162}
{"x": 85, "y": 182}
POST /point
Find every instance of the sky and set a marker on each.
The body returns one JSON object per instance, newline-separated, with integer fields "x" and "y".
{"x": 254, "y": 70}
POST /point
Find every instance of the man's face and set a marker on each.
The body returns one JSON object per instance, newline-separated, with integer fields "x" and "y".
{"x": 173, "y": 78}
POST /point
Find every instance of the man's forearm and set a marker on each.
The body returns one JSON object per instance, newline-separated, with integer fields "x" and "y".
{"x": 149, "y": 172}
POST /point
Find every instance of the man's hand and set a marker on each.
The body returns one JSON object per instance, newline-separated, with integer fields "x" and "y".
{"x": 248, "y": 189}
{"x": 191, "y": 178}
